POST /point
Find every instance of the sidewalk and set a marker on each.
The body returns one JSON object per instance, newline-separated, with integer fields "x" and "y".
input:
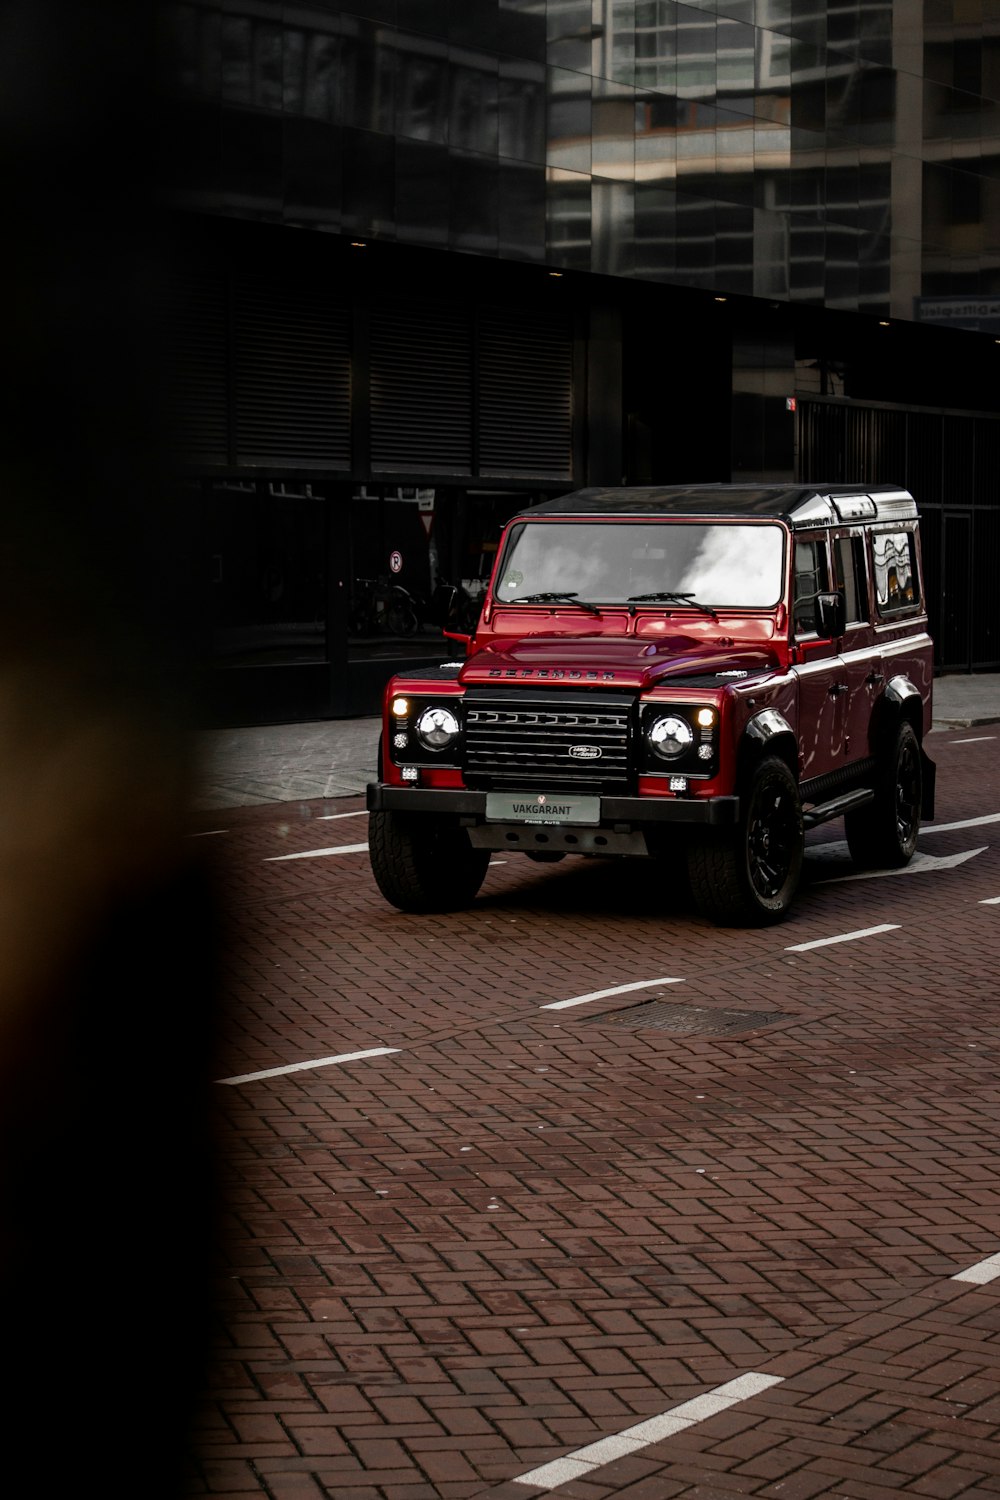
{"x": 336, "y": 757}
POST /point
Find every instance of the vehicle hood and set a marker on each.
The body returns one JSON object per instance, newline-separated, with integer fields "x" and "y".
{"x": 621, "y": 661}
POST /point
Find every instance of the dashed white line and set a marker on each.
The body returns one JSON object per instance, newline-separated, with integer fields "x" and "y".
{"x": 981, "y": 1272}
{"x": 618, "y": 989}
{"x": 361, "y": 812}
{"x": 316, "y": 1062}
{"x": 843, "y": 937}
{"x": 584, "y": 1460}
{"x": 991, "y": 901}
{"x": 976, "y": 739}
{"x": 317, "y": 853}
{"x": 207, "y": 833}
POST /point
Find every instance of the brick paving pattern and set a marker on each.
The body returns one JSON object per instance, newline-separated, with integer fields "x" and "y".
{"x": 527, "y": 1230}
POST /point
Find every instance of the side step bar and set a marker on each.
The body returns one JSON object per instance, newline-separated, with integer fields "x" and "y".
{"x": 824, "y": 811}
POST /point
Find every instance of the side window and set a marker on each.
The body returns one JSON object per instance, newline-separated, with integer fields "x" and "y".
{"x": 811, "y": 578}
{"x": 850, "y": 554}
{"x": 896, "y": 585}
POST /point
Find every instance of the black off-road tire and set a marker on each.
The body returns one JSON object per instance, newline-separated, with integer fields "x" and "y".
{"x": 748, "y": 877}
{"x": 424, "y": 865}
{"x": 883, "y": 835}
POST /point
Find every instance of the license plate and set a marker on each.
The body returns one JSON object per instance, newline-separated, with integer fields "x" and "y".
{"x": 541, "y": 807}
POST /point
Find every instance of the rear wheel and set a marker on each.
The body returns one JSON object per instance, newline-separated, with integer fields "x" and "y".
{"x": 421, "y": 864}
{"x": 883, "y": 835}
{"x": 749, "y": 877}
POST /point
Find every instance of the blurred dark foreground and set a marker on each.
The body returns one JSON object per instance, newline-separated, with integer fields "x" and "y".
{"x": 107, "y": 927}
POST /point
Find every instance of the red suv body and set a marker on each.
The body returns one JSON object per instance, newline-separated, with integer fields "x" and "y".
{"x": 693, "y": 673}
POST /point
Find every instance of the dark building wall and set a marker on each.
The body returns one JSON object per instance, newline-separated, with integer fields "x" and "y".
{"x": 460, "y": 257}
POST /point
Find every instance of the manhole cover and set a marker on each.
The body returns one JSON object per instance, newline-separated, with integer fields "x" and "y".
{"x": 698, "y": 1020}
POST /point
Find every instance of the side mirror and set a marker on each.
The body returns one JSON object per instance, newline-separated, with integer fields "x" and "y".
{"x": 831, "y": 614}
{"x": 463, "y": 640}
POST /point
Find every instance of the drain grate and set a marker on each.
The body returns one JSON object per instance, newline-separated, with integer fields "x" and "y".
{"x": 693, "y": 1020}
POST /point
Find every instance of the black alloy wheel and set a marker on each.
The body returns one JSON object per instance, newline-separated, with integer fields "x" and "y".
{"x": 749, "y": 876}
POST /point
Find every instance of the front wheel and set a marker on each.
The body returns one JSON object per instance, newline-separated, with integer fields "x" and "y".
{"x": 422, "y": 864}
{"x": 883, "y": 835}
{"x": 749, "y": 877}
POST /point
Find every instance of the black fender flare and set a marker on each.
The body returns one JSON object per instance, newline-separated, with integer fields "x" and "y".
{"x": 767, "y": 730}
{"x": 900, "y": 690}
{"x": 902, "y": 701}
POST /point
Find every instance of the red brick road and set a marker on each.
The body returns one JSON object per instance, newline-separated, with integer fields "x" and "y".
{"x": 527, "y": 1230}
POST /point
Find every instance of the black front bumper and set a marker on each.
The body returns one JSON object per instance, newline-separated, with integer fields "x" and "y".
{"x": 617, "y": 813}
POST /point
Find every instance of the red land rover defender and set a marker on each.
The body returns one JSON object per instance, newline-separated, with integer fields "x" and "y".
{"x": 692, "y": 673}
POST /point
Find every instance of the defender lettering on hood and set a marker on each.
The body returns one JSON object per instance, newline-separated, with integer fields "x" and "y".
{"x": 695, "y": 673}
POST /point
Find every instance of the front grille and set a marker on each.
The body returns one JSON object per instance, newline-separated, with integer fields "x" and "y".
{"x": 526, "y": 742}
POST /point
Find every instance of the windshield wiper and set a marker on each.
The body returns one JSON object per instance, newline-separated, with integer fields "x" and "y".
{"x": 669, "y": 597}
{"x": 556, "y": 596}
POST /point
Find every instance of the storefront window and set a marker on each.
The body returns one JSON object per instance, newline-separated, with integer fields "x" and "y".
{"x": 267, "y": 572}
{"x": 420, "y": 563}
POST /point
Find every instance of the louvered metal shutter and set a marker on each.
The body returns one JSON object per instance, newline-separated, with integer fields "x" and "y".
{"x": 421, "y": 389}
{"x": 196, "y": 403}
{"x": 291, "y": 348}
{"x": 525, "y": 394}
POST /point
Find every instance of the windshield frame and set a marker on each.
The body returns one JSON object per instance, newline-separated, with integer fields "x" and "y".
{"x": 605, "y": 600}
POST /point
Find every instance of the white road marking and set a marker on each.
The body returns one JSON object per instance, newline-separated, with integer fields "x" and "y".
{"x": 317, "y": 853}
{"x": 981, "y": 1272}
{"x": 843, "y": 937}
{"x": 207, "y": 833}
{"x": 976, "y": 740}
{"x": 619, "y": 989}
{"x": 362, "y": 812}
{"x": 965, "y": 823}
{"x": 920, "y": 864}
{"x": 584, "y": 1460}
{"x": 317, "y": 1062}
{"x": 839, "y": 846}
{"x": 991, "y": 901}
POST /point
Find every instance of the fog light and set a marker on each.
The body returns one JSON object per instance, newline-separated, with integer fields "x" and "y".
{"x": 704, "y": 752}
{"x": 400, "y": 741}
{"x": 410, "y": 773}
{"x": 677, "y": 783}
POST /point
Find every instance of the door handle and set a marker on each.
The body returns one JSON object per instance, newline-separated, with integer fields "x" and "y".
{"x": 836, "y": 688}
{"x": 874, "y": 678}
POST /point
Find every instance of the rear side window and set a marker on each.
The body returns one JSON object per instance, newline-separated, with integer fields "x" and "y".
{"x": 895, "y": 564}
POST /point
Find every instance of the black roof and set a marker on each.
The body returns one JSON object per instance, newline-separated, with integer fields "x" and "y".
{"x": 800, "y": 505}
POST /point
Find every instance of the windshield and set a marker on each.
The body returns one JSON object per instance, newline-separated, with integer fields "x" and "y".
{"x": 720, "y": 564}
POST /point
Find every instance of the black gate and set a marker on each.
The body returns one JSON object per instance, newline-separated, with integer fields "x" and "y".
{"x": 948, "y": 461}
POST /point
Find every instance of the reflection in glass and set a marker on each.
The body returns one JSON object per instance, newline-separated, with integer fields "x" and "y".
{"x": 798, "y": 113}
{"x": 521, "y": 211}
{"x": 521, "y": 111}
{"x": 267, "y": 543}
{"x": 895, "y": 575}
{"x": 568, "y": 219}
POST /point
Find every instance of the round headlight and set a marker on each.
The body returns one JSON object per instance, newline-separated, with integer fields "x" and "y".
{"x": 437, "y": 728}
{"x": 670, "y": 736}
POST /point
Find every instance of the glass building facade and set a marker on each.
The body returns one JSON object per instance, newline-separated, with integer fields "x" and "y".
{"x": 766, "y": 218}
